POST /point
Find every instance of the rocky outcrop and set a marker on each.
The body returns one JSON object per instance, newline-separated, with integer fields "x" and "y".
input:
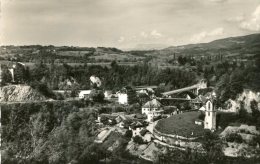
{"x": 247, "y": 96}
{"x": 18, "y": 93}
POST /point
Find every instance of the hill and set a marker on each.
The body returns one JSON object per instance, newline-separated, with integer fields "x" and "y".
{"x": 238, "y": 48}
{"x": 233, "y": 46}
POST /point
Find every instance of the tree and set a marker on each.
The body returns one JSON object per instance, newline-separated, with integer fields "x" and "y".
{"x": 138, "y": 139}
{"x": 131, "y": 95}
{"x": 74, "y": 90}
{"x": 19, "y": 73}
{"x": 97, "y": 95}
{"x": 41, "y": 70}
{"x": 129, "y": 134}
{"x": 182, "y": 60}
{"x": 213, "y": 148}
{"x": 230, "y": 85}
{"x": 233, "y": 137}
{"x": 6, "y": 76}
{"x": 43, "y": 89}
{"x": 242, "y": 113}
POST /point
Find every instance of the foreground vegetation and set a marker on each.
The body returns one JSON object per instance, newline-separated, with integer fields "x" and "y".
{"x": 53, "y": 132}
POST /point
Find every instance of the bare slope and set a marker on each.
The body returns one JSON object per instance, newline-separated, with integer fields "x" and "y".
{"x": 14, "y": 93}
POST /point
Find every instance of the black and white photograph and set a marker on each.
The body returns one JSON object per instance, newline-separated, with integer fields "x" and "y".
{"x": 130, "y": 81}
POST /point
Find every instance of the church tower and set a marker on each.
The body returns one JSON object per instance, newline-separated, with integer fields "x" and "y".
{"x": 210, "y": 115}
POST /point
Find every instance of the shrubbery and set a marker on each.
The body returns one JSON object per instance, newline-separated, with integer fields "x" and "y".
{"x": 233, "y": 137}
{"x": 138, "y": 139}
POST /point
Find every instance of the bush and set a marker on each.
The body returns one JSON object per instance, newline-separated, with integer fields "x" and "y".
{"x": 138, "y": 139}
{"x": 233, "y": 137}
{"x": 129, "y": 134}
{"x": 59, "y": 96}
{"x": 97, "y": 95}
{"x": 104, "y": 120}
{"x": 224, "y": 119}
{"x": 43, "y": 89}
{"x": 201, "y": 116}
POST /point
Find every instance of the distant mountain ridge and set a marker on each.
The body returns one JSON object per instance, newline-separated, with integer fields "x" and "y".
{"x": 253, "y": 39}
{"x": 240, "y": 44}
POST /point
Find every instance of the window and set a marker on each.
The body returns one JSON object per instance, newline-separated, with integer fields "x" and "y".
{"x": 208, "y": 113}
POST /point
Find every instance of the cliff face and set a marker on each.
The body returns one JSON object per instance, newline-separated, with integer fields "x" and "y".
{"x": 247, "y": 96}
{"x": 16, "y": 93}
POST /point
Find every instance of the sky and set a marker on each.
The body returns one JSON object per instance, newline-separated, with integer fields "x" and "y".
{"x": 125, "y": 23}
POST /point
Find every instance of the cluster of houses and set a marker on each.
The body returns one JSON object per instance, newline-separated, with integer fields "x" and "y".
{"x": 153, "y": 111}
{"x": 123, "y": 122}
{"x": 144, "y": 126}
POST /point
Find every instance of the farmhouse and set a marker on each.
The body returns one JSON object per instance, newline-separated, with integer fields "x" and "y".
{"x": 152, "y": 109}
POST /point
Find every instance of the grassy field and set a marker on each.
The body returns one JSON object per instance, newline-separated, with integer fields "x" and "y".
{"x": 181, "y": 124}
{"x": 31, "y": 64}
{"x": 72, "y": 53}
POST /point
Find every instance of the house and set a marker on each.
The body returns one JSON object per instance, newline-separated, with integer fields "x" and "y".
{"x": 108, "y": 119}
{"x": 199, "y": 122}
{"x": 126, "y": 95}
{"x": 122, "y": 98}
{"x": 198, "y": 102}
{"x": 136, "y": 128}
{"x": 108, "y": 94}
{"x": 102, "y": 136}
{"x": 151, "y": 116}
{"x": 152, "y": 109}
{"x": 152, "y": 105}
{"x": 147, "y": 91}
{"x": 84, "y": 94}
{"x": 121, "y": 119}
{"x": 146, "y": 135}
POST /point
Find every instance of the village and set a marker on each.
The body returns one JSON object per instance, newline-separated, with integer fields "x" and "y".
{"x": 161, "y": 125}
{"x": 130, "y": 82}
{"x": 177, "y": 119}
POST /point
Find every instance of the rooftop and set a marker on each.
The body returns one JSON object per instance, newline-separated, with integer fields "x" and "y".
{"x": 152, "y": 104}
{"x": 181, "y": 125}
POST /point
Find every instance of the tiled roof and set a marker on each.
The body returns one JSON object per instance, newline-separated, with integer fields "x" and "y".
{"x": 152, "y": 104}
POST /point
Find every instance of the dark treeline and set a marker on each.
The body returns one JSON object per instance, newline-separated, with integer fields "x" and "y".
{"x": 114, "y": 77}
{"x": 228, "y": 77}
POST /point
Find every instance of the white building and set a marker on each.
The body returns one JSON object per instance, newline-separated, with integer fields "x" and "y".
{"x": 152, "y": 109}
{"x": 84, "y": 94}
{"x": 210, "y": 115}
{"x": 153, "y": 114}
{"x": 125, "y": 94}
{"x": 122, "y": 98}
{"x": 136, "y": 128}
{"x": 108, "y": 94}
{"x": 153, "y": 105}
